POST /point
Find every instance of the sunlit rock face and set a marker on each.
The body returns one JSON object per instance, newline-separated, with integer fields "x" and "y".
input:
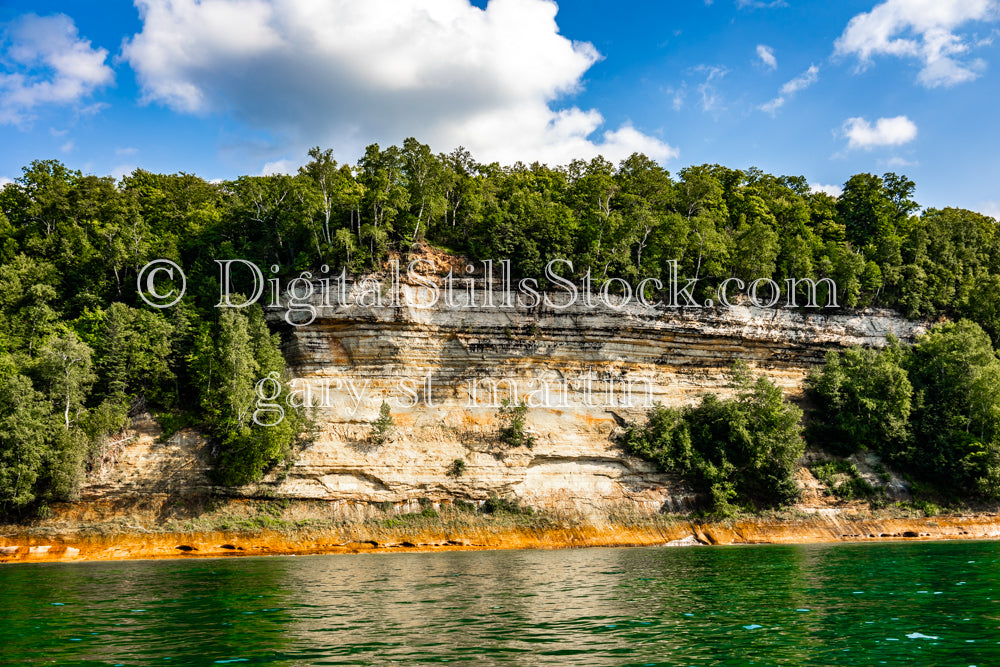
{"x": 583, "y": 369}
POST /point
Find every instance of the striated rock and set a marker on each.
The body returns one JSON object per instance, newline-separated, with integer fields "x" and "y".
{"x": 149, "y": 465}
{"x": 584, "y": 371}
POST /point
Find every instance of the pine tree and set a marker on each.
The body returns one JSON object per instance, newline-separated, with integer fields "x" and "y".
{"x": 383, "y": 427}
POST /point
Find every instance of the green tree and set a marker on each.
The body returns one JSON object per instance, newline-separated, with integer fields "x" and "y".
{"x": 385, "y": 195}
{"x": 863, "y": 401}
{"x": 383, "y": 426}
{"x": 25, "y": 429}
{"x": 738, "y": 452}
{"x": 230, "y": 361}
{"x": 665, "y": 439}
{"x": 133, "y": 351}
{"x": 65, "y": 367}
{"x": 954, "y": 371}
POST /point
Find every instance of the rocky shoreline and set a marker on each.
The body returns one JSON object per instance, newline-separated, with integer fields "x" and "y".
{"x": 37, "y": 545}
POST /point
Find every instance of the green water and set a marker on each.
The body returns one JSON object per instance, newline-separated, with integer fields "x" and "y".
{"x": 926, "y": 604}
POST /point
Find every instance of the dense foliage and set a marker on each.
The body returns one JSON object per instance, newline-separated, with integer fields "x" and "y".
{"x": 740, "y": 452}
{"x": 932, "y": 409}
{"x": 79, "y": 351}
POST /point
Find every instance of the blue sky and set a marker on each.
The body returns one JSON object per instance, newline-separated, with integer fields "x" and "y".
{"x": 221, "y": 88}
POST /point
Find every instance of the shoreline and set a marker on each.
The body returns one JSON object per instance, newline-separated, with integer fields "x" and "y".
{"x": 79, "y": 545}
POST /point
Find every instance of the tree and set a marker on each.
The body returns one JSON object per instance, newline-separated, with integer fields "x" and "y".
{"x": 25, "y": 428}
{"x": 738, "y": 452}
{"x": 874, "y": 212}
{"x": 230, "y": 362}
{"x": 65, "y": 366}
{"x": 322, "y": 170}
{"x": 863, "y": 398}
{"x": 956, "y": 443}
{"x": 133, "y": 351}
{"x": 758, "y": 435}
{"x": 593, "y": 193}
{"x": 380, "y": 172}
{"x": 383, "y": 426}
{"x": 665, "y": 439}
{"x": 425, "y": 183}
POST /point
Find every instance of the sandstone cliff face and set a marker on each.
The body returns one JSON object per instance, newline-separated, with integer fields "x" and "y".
{"x": 583, "y": 370}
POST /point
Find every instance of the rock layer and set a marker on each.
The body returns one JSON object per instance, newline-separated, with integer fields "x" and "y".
{"x": 582, "y": 370}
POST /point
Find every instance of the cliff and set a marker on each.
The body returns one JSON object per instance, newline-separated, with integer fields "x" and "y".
{"x": 582, "y": 369}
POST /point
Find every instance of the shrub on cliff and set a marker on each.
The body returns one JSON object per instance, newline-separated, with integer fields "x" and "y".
{"x": 513, "y": 430}
{"x": 496, "y": 505}
{"x": 932, "y": 410}
{"x": 665, "y": 439}
{"x": 956, "y": 416}
{"x": 457, "y": 468}
{"x": 739, "y": 451}
{"x": 383, "y": 426}
{"x": 863, "y": 398}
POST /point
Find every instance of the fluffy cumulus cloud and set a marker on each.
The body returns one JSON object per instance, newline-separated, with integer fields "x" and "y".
{"x": 927, "y": 30}
{"x": 884, "y": 132}
{"x": 801, "y": 82}
{"x": 343, "y": 73}
{"x": 766, "y": 55}
{"x": 45, "y": 61}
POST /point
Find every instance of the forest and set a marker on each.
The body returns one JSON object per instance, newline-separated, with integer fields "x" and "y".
{"x": 80, "y": 352}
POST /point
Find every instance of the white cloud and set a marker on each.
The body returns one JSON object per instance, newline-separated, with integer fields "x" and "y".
{"x": 46, "y": 62}
{"x": 760, "y": 4}
{"x": 832, "y": 190}
{"x": 342, "y": 73}
{"x": 279, "y": 167}
{"x": 801, "y": 82}
{"x": 677, "y": 102}
{"x": 897, "y": 161}
{"x": 4, "y": 181}
{"x": 885, "y": 132}
{"x": 122, "y": 170}
{"x": 990, "y": 208}
{"x": 766, "y": 55}
{"x": 773, "y": 106}
{"x": 711, "y": 99}
{"x": 128, "y": 150}
{"x": 921, "y": 29}
{"x": 68, "y": 146}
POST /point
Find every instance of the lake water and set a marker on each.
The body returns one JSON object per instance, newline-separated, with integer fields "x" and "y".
{"x": 917, "y": 603}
